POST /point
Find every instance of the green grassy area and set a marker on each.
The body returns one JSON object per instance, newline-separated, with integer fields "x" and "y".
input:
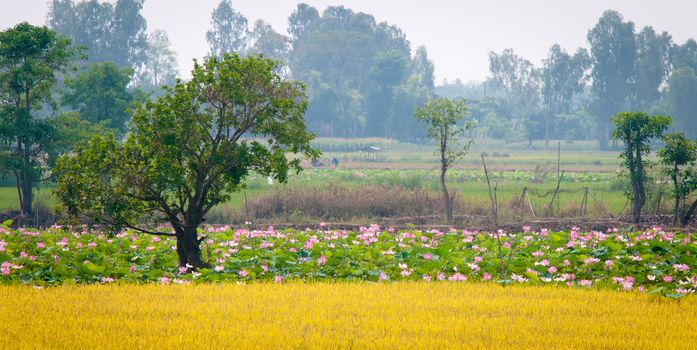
{"x": 9, "y": 199}
{"x": 581, "y": 156}
{"x": 469, "y": 185}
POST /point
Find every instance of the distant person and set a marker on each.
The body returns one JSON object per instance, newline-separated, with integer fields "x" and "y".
{"x": 335, "y": 161}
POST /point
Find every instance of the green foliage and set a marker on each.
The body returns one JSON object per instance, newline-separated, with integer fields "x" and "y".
{"x": 110, "y": 32}
{"x": 655, "y": 261}
{"x": 613, "y": 51}
{"x": 191, "y": 148}
{"x": 30, "y": 57}
{"x": 444, "y": 119}
{"x": 680, "y": 155}
{"x": 229, "y": 32}
{"x": 444, "y": 125}
{"x": 100, "y": 93}
{"x": 636, "y": 130}
{"x": 681, "y": 100}
{"x": 160, "y": 66}
{"x": 360, "y": 75}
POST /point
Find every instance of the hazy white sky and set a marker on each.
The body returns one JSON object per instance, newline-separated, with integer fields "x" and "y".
{"x": 458, "y": 34}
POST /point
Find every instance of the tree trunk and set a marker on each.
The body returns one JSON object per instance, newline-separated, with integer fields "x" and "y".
{"x": 638, "y": 197}
{"x": 27, "y": 195}
{"x": 188, "y": 248}
{"x": 446, "y": 196}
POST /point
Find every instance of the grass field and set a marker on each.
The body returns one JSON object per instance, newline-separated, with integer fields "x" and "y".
{"x": 605, "y": 198}
{"x": 341, "y": 316}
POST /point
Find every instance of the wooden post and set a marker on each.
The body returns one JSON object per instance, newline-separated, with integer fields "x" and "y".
{"x": 492, "y": 196}
{"x": 556, "y": 191}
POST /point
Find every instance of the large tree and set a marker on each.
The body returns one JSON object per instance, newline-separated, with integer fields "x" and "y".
{"x": 681, "y": 100}
{"x": 30, "y": 57}
{"x": 636, "y": 130}
{"x": 189, "y": 150}
{"x": 100, "y": 93}
{"x": 652, "y": 67}
{"x": 444, "y": 122}
{"x": 680, "y": 155}
{"x": 422, "y": 67}
{"x": 613, "y": 50}
{"x": 268, "y": 42}
{"x": 160, "y": 66}
{"x": 519, "y": 80}
{"x": 354, "y": 68}
{"x": 563, "y": 78}
{"x": 229, "y": 32}
{"x": 110, "y": 32}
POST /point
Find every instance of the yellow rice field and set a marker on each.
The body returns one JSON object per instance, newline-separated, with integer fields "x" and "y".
{"x": 341, "y": 315}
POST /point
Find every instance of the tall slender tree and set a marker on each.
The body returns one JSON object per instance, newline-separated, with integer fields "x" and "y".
{"x": 636, "y": 130}
{"x": 30, "y": 57}
{"x": 444, "y": 120}
{"x": 229, "y": 33}
{"x": 613, "y": 51}
{"x": 563, "y": 77}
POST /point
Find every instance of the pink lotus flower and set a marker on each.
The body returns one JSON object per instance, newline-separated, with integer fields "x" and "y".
{"x": 440, "y": 276}
{"x": 383, "y": 276}
{"x": 667, "y": 278}
{"x": 566, "y": 262}
{"x": 552, "y": 270}
{"x": 132, "y": 268}
{"x": 5, "y": 270}
{"x": 265, "y": 267}
{"x": 590, "y": 261}
{"x": 609, "y": 264}
{"x": 457, "y": 277}
{"x": 321, "y": 260}
{"x": 164, "y": 280}
{"x": 243, "y": 273}
{"x": 585, "y": 283}
{"x": 486, "y": 276}
{"x": 427, "y": 278}
{"x": 40, "y": 245}
{"x": 681, "y": 267}
{"x": 278, "y": 279}
{"x": 218, "y": 268}
{"x": 427, "y": 256}
{"x": 92, "y": 244}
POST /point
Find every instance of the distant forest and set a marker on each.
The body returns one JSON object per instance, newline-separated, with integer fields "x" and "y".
{"x": 364, "y": 80}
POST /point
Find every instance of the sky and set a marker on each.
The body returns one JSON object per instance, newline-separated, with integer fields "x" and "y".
{"x": 457, "y": 34}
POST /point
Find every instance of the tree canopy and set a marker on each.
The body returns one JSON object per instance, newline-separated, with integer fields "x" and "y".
{"x": 30, "y": 58}
{"x": 190, "y": 149}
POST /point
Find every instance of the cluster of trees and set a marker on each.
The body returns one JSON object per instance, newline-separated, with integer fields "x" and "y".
{"x": 78, "y": 76}
{"x": 361, "y": 76}
{"x": 637, "y": 131}
{"x": 117, "y": 33}
{"x": 183, "y": 153}
{"x": 573, "y": 96}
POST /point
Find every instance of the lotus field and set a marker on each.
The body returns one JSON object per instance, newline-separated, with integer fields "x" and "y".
{"x": 651, "y": 261}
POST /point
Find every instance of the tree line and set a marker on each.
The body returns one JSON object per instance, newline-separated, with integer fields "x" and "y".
{"x": 364, "y": 80}
{"x": 573, "y": 95}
